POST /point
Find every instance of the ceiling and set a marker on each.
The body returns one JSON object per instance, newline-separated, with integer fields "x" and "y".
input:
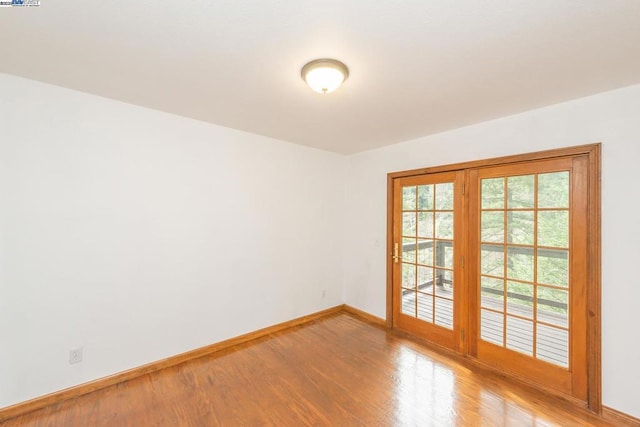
{"x": 417, "y": 67}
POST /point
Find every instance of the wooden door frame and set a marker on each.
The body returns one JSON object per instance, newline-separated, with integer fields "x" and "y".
{"x": 594, "y": 331}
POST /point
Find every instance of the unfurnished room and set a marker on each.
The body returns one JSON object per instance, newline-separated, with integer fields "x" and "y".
{"x": 319, "y": 213}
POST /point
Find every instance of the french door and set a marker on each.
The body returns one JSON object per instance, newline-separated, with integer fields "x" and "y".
{"x": 425, "y": 274}
{"x": 528, "y": 288}
{"x": 492, "y": 260}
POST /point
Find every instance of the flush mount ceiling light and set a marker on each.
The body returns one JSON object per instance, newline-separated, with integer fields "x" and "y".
{"x": 324, "y": 75}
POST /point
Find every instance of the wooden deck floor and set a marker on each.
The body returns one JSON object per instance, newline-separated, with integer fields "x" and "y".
{"x": 336, "y": 371}
{"x": 551, "y": 343}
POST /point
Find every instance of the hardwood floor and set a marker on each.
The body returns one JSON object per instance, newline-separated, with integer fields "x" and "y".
{"x": 336, "y": 371}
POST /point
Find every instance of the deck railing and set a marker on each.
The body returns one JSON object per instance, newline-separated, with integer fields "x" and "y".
{"x": 440, "y": 261}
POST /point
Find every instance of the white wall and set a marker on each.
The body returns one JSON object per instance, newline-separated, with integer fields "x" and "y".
{"x": 139, "y": 235}
{"x": 612, "y": 118}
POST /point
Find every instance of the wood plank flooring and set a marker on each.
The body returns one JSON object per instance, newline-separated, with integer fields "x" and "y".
{"x": 336, "y": 371}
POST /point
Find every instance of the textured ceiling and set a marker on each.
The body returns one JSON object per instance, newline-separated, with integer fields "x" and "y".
{"x": 416, "y": 67}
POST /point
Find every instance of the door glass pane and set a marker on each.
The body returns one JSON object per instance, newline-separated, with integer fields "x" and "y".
{"x": 425, "y": 307}
{"x": 444, "y": 254}
{"x": 425, "y": 279}
{"x": 552, "y": 345}
{"x": 492, "y": 260}
{"x": 520, "y": 335}
{"x": 425, "y": 197}
{"x": 444, "y": 196}
{"x": 492, "y": 291}
{"x": 492, "y": 226}
{"x": 408, "y": 198}
{"x": 425, "y": 224}
{"x": 408, "y": 276}
{"x": 425, "y": 252}
{"x": 553, "y": 306}
{"x": 444, "y": 225}
{"x": 492, "y": 327}
{"x": 444, "y": 283}
{"x": 492, "y": 193}
{"x": 520, "y": 227}
{"x": 520, "y": 192}
{"x": 409, "y": 303}
{"x": 553, "y": 190}
{"x": 520, "y": 263}
{"x": 520, "y": 299}
{"x": 444, "y": 312}
{"x": 553, "y": 228}
{"x": 409, "y": 224}
{"x": 553, "y": 267}
{"x": 409, "y": 250}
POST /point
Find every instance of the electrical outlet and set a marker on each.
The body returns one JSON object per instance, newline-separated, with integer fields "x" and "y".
{"x": 75, "y": 355}
{"x": 324, "y": 293}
